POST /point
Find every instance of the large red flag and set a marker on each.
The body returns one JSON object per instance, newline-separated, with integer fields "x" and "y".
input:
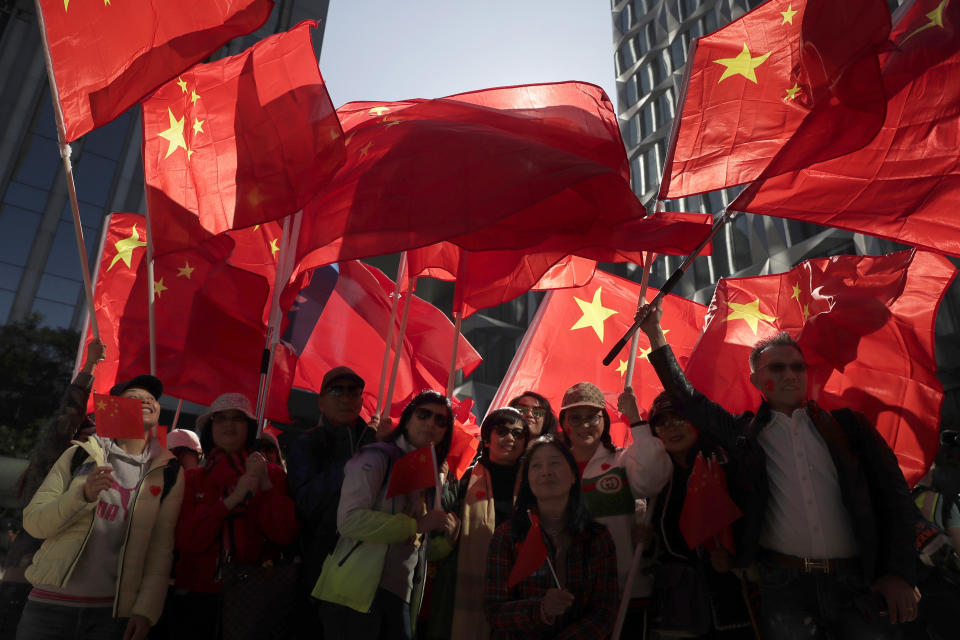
{"x": 107, "y": 56}
{"x": 465, "y": 440}
{"x": 905, "y": 184}
{"x": 708, "y": 511}
{"x": 865, "y": 325}
{"x": 352, "y": 331}
{"x": 504, "y": 168}
{"x": 209, "y": 329}
{"x": 574, "y": 329}
{"x": 753, "y": 82}
{"x": 236, "y": 142}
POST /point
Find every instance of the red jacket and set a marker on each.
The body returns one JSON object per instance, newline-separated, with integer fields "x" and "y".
{"x": 254, "y": 530}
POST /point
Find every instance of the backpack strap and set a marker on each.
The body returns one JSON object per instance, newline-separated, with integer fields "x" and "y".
{"x": 79, "y": 457}
{"x": 170, "y": 473}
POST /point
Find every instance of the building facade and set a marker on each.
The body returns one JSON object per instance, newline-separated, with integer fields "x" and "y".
{"x": 651, "y": 40}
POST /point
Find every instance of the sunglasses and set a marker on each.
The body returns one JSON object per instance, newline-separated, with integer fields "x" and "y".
{"x": 351, "y": 391}
{"x": 503, "y": 431}
{"x": 537, "y": 412}
{"x": 439, "y": 419}
{"x": 780, "y": 367}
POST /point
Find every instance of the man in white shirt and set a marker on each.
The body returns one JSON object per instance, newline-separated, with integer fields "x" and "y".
{"x": 828, "y": 516}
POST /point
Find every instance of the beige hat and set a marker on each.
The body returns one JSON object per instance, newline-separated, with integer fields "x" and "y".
{"x": 583, "y": 394}
{"x": 183, "y": 438}
{"x": 225, "y": 402}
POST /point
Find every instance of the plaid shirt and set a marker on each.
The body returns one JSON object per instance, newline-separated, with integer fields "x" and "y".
{"x": 591, "y": 578}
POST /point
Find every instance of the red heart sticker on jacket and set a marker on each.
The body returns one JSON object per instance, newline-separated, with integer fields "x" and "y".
{"x": 155, "y": 490}
{"x": 481, "y": 495}
{"x": 604, "y": 466}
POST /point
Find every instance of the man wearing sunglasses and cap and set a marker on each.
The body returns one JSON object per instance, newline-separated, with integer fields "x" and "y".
{"x": 828, "y": 516}
{"x": 315, "y": 465}
{"x": 106, "y": 512}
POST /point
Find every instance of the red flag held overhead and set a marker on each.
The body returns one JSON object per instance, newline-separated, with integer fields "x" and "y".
{"x": 238, "y": 142}
{"x": 107, "y": 56}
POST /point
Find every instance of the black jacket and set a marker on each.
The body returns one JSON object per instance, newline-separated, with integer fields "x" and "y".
{"x": 871, "y": 483}
{"x": 315, "y": 464}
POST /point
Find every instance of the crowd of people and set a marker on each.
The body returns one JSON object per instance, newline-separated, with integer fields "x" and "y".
{"x": 552, "y": 531}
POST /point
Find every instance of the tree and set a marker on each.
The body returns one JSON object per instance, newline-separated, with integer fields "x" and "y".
{"x": 36, "y": 364}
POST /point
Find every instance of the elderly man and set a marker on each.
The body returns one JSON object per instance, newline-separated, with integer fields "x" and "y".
{"x": 315, "y": 464}
{"x": 828, "y": 514}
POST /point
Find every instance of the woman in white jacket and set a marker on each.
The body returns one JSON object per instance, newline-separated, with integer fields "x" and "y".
{"x": 617, "y": 483}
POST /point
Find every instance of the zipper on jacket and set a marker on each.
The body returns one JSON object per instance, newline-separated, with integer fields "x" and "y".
{"x": 126, "y": 536}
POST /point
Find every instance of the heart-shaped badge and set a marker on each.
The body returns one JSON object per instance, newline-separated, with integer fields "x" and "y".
{"x": 155, "y": 490}
{"x": 604, "y": 466}
{"x": 481, "y": 495}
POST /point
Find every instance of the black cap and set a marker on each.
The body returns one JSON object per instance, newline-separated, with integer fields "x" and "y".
{"x": 662, "y": 404}
{"x": 340, "y": 373}
{"x": 144, "y": 381}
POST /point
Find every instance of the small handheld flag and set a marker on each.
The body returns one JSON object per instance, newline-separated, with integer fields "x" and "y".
{"x": 118, "y": 417}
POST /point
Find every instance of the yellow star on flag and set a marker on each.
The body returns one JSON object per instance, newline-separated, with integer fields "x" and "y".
{"x": 391, "y": 123}
{"x": 622, "y": 367}
{"x": 806, "y": 312}
{"x": 186, "y": 270}
{"x": 792, "y": 92}
{"x": 378, "y": 111}
{"x": 174, "y": 135}
{"x": 796, "y": 293}
{"x": 749, "y": 313}
{"x": 744, "y": 64}
{"x": 182, "y": 84}
{"x": 194, "y": 96}
{"x": 594, "y": 314}
{"x": 101, "y": 405}
{"x": 274, "y": 248}
{"x": 125, "y": 247}
{"x": 365, "y": 148}
{"x": 198, "y": 125}
{"x": 158, "y": 287}
{"x": 936, "y": 20}
{"x": 788, "y": 14}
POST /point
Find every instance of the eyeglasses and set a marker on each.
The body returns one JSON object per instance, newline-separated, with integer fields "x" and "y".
{"x": 503, "y": 431}
{"x": 439, "y": 419}
{"x": 351, "y": 391}
{"x": 666, "y": 423}
{"x": 780, "y": 367}
{"x": 537, "y": 412}
{"x": 593, "y": 420}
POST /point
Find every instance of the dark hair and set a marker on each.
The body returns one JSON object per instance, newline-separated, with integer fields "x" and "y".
{"x": 605, "y": 438}
{"x": 781, "y": 339}
{"x": 422, "y": 398}
{"x": 550, "y": 424}
{"x": 206, "y": 436}
{"x": 577, "y": 516}
{"x": 506, "y": 415}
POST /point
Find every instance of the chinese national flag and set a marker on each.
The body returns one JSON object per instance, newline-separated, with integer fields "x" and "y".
{"x": 574, "y": 329}
{"x": 905, "y": 184}
{"x": 107, "y": 56}
{"x": 465, "y": 440}
{"x": 413, "y": 472}
{"x": 865, "y": 325}
{"x": 708, "y": 510}
{"x": 209, "y": 329}
{"x": 530, "y": 556}
{"x": 500, "y": 168}
{"x": 124, "y": 248}
{"x": 488, "y": 278}
{"x": 753, "y": 82}
{"x": 237, "y": 142}
{"x": 352, "y": 331}
{"x": 118, "y": 417}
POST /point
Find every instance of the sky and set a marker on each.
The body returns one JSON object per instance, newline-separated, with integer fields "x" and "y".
{"x": 398, "y": 49}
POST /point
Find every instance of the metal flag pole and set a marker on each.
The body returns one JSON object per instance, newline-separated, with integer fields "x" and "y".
{"x": 458, "y": 315}
{"x": 669, "y": 284}
{"x": 151, "y": 294}
{"x": 68, "y": 172}
{"x": 648, "y": 258}
{"x": 290, "y": 234}
{"x": 398, "y": 349}
{"x": 401, "y": 273}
